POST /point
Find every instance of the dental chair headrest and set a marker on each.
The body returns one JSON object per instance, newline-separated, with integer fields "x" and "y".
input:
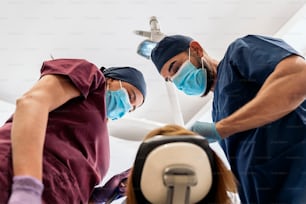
{"x": 160, "y": 153}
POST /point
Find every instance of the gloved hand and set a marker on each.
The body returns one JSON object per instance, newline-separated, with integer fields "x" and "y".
{"x": 26, "y": 190}
{"x": 113, "y": 189}
{"x": 208, "y": 130}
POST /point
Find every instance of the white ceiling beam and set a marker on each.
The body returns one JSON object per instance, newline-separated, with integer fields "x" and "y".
{"x": 294, "y": 32}
{"x": 300, "y": 14}
{"x": 175, "y": 105}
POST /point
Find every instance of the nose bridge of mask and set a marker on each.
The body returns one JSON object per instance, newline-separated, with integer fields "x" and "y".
{"x": 120, "y": 84}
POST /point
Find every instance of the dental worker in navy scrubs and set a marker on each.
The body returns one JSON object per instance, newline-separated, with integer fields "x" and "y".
{"x": 259, "y": 109}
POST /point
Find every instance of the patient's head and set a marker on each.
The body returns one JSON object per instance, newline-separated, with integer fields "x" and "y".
{"x": 220, "y": 185}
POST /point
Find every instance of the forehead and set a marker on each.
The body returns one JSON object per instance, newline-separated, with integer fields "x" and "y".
{"x": 177, "y": 60}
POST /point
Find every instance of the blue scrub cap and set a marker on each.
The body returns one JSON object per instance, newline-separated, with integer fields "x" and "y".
{"x": 127, "y": 74}
{"x": 167, "y": 48}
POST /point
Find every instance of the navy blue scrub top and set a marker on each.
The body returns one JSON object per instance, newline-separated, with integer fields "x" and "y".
{"x": 269, "y": 162}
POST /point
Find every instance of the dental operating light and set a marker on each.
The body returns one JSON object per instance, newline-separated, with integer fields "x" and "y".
{"x": 153, "y": 37}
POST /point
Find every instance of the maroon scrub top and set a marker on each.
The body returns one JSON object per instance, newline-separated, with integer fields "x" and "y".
{"x": 76, "y": 151}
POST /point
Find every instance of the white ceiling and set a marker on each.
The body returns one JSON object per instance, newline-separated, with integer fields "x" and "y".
{"x": 101, "y": 31}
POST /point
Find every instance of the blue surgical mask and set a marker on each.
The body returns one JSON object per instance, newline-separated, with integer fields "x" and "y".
{"x": 190, "y": 80}
{"x": 117, "y": 103}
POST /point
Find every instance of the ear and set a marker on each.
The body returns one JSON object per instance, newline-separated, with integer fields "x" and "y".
{"x": 196, "y": 48}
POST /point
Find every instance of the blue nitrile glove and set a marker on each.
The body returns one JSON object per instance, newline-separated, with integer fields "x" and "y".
{"x": 208, "y": 130}
{"x": 113, "y": 189}
{"x": 26, "y": 190}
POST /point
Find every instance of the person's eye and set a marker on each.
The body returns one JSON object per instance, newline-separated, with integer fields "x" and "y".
{"x": 171, "y": 66}
{"x": 173, "y": 72}
{"x": 130, "y": 97}
{"x": 175, "y": 69}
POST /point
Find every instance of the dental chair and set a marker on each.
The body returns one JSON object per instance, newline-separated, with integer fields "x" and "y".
{"x": 173, "y": 170}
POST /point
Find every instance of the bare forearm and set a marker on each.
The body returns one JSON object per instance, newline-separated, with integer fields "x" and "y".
{"x": 28, "y": 134}
{"x": 30, "y": 121}
{"x": 258, "y": 112}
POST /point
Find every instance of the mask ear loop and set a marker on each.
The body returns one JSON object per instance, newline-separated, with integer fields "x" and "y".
{"x": 189, "y": 54}
{"x": 127, "y": 95}
{"x": 120, "y": 84}
{"x": 107, "y": 84}
{"x": 202, "y": 62}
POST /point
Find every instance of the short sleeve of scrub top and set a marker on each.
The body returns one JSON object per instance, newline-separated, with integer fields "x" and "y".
{"x": 83, "y": 74}
{"x": 252, "y": 54}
